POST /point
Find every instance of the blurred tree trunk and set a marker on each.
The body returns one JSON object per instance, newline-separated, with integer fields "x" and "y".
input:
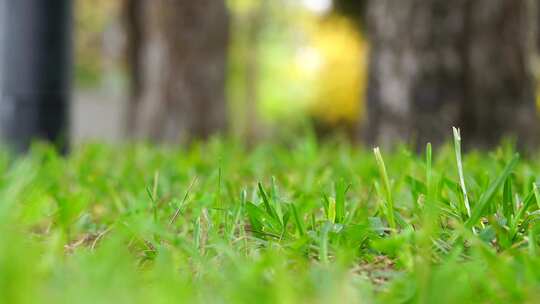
{"x": 437, "y": 63}
{"x": 177, "y": 51}
{"x": 35, "y": 85}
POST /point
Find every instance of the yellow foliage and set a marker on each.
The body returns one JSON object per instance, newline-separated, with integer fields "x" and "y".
{"x": 341, "y": 77}
{"x": 242, "y": 7}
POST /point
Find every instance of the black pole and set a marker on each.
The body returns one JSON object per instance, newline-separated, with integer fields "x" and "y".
{"x": 35, "y": 71}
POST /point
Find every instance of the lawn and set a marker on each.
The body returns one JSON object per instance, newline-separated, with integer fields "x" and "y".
{"x": 298, "y": 222}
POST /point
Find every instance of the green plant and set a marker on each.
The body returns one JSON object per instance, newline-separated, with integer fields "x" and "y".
{"x": 302, "y": 223}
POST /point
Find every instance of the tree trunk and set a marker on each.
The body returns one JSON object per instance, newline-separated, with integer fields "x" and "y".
{"x": 35, "y": 72}
{"x": 177, "y": 51}
{"x": 437, "y": 63}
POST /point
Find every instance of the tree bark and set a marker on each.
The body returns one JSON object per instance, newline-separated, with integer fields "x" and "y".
{"x": 177, "y": 50}
{"x": 437, "y": 63}
{"x": 35, "y": 72}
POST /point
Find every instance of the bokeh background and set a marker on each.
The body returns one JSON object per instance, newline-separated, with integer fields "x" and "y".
{"x": 373, "y": 71}
{"x": 289, "y": 61}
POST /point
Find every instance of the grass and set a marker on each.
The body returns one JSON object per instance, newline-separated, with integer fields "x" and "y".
{"x": 298, "y": 223}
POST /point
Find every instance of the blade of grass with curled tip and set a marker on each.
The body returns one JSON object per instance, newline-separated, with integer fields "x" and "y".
{"x": 457, "y": 149}
{"x": 389, "y": 202}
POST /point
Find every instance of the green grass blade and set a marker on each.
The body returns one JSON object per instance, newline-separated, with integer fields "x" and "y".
{"x": 508, "y": 202}
{"x": 429, "y": 173}
{"x": 488, "y": 195}
{"x": 269, "y": 209}
{"x": 457, "y": 149}
{"x": 389, "y": 202}
{"x": 275, "y": 203}
{"x": 536, "y": 195}
{"x": 520, "y": 215}
{"x": 298, "y": 221}
{"x": 341, "y": 189}
{"x": 323, "y": 242}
